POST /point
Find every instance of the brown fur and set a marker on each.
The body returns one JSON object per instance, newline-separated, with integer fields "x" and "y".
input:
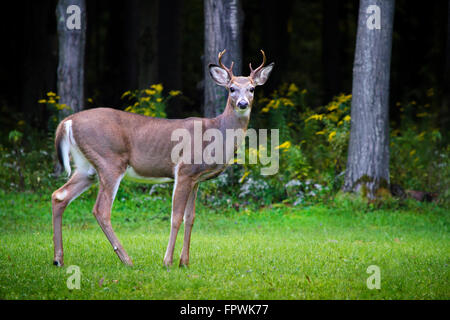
{"x": 112, "y": 140}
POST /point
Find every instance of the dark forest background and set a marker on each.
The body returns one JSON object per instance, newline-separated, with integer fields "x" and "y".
{"x": 312, "y": 43}
{"x": 321, "y": 90}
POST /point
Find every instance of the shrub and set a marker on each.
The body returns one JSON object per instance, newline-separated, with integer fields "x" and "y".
{"x": 149, "y": 102}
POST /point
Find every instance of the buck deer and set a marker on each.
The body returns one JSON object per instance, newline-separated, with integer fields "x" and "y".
{"x": 113, "y": 144}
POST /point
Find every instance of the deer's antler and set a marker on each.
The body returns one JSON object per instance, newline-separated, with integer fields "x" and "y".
{"x": 229, "y": 70}
{"x": 253, "y": 72}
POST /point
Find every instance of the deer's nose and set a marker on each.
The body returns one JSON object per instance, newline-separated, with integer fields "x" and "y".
{"x": 243, "y": 104}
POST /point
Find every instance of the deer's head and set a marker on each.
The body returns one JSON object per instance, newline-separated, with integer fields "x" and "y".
{"x": 240, "y": 89}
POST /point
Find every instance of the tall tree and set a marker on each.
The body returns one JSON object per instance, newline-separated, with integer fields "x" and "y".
{"x": 368, "y": 153}
{"x": 223, "y": 24}
{"x": 71, "y": 26}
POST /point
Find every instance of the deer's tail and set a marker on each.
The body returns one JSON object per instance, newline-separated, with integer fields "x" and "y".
{"x": 62, "y": 144}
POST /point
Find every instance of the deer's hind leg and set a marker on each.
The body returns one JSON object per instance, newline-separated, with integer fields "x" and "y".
{"x": 109, "y": 184}
{"x": 77, "y": 184}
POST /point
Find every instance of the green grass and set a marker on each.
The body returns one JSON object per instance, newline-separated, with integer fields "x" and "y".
{"x": 316, "y": 252}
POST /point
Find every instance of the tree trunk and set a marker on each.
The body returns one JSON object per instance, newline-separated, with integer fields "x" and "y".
{"x": 71, "y": 44}
{"x": 368, "y": 154}
{"x": 223, "y": 24}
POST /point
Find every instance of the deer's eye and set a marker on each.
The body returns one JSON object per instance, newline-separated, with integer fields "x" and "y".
{"x": 252, "y": 89}
{"x": 232, "y": 89}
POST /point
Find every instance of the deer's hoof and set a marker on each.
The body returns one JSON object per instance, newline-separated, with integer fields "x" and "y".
{"x": 167, "y": 264}
{"x": 129, "y": 263}
{"x": 57, "y": 263}
{"x": 184, "y": 264}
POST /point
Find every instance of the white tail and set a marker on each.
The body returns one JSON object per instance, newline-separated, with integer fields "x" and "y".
{"x": 64, "y": 146}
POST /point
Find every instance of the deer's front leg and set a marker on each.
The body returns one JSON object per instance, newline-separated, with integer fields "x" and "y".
{"x": 189, "y": 216}
{"x": 181, "y": 192}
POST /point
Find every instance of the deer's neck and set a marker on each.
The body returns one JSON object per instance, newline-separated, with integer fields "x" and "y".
{"x": 230, "y": 119}
{"x": 237, "y": 123}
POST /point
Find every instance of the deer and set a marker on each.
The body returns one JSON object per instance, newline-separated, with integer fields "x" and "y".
{"x": 108, "y": 145}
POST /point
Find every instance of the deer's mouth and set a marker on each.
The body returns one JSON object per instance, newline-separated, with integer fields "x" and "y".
{"x": 242, "y": 105}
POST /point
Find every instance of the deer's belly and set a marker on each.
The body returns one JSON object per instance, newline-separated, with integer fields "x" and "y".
{"x": 211, "y": 174}
{"x": 132, "y": 175}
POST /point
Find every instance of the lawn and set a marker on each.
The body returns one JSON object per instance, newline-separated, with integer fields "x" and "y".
{"x": 315, "y": 252}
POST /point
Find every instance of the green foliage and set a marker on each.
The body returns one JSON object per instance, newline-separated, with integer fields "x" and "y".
{"x": 420, "y": 159}
{"x": 313, "y": 150}
{"x": 22, "y": 170}
{"x": 312, "y": 153}
{"x": 55, "y": 109}
{"x": 149, "y": 102}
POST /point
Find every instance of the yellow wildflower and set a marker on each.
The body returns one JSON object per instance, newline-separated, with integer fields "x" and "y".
{"x": 276, "y": 104}
{"x": 42, "y": 101}
{"x": 287, "y": 102}
{"x": 331, "y": 136}
{"x": 347, "y": 118}
{"x": 315, "y": 117}
{"x": 332, "y": 117}
{"x": 252, "y": 152}
{"x": 320, "y": 132}
{"x": 158, "y": 87}
{"x": 292, "y": 89}
{"x": 51, "y": 94}
{"x": 126, "y": 94}
{"x": 285, "y": 145}
{"x": 244, "y": 176}
{"x": 333, "y": 106}
{"x": 174, "y": 93}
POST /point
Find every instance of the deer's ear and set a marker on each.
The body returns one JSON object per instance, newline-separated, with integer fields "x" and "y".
{"x": 219, "y": 75}
{"x": 262, "y": 75}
